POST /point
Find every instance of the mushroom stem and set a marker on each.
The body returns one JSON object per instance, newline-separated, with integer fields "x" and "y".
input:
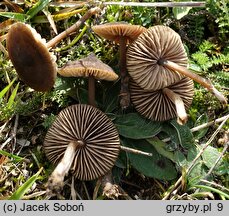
{"x": 91, "y": 91}
{"x": 110, "y": 190}
{"x": 124, "y": 92}
{"x": 179, "y": 104}
{"x": 75, "y": 27}
{"x": 204, "y": 82}
{"x": 55, "y": 182}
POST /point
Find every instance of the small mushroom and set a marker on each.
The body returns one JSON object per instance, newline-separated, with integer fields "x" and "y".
{"x": 31, "y": 58}
{"x": 82, "y": 139}
{"x": 121, "y": 33}
{"x": 157, "y": 59}
{"x": 163, "y": 104}
{"x": 90, "y": 67}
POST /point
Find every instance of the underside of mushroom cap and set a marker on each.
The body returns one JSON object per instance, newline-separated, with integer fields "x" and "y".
{"x": 112, "y": 31}
{"x": 156, "y": 105}
{"x": 30, "y": 57}
{"x": 144, "y": 55}
{"x": 90, "y": 126}
{"x": 88, "y": 66}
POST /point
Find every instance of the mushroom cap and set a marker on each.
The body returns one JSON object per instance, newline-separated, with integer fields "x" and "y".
{"x": 113, "y": 31}
{"x": 89, "y": 125}
{"x": 156, "y": 105}
{"x": 30, "y": 57}
{"x": 144, "y": 55}
{"x": 89, "y": 66}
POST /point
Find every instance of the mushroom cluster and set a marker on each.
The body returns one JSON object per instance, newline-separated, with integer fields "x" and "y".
{"x": 82, "y": 139}
{"x": 123, "y": 34}
{"x": 162, "y": 86}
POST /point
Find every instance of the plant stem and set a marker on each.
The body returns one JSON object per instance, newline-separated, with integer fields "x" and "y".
{"x": 55, "y": 182}
{"x": 158, "y": 4}
{"x": 135, "y": 151}
{"x": 124, "y": 92}
{"x": 179, "y": 104}
{"x": 204, "y": 82}
{"x": 91, "y": 91}
{"x": 75, "y": 27}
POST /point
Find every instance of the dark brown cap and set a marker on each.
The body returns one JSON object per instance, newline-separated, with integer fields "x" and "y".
{"x": 113, "y": 31}
{"x": 156, "y": 105}
{"x": 89, "y": 66}
{"x": 88, "y": 125}
{"x": 144, "y": 55}
{"x": 30, "y": 57}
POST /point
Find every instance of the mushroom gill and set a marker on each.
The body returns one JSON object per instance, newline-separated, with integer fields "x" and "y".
{"x": 159, "y": 105}
{"x": 91, "y": 137}
{"x": 145, "y": 53}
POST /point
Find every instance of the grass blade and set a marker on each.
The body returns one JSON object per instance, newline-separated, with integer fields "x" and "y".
{"x": 15, "y": 157}
{"x": 39, "y": 6}
{"x": 208, "y": 188}
{"x": 12, "y": 97}
{"x": 18, "y": 194}
{"x": 6, "y": 89}
{"x": 15, "y": 16}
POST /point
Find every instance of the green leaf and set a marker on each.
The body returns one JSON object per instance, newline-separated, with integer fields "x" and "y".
{"x": 180, "y": 12}
{"x": 19, "y": 193}
{"x": 161, "y": 148}
{"x": 134, "y": 126}
{"x": 6, "y": 89}
{"x": 199, "y": 169}
{"x": 180, "y": 134}
{"x": 210, "y": 155}
{"x": 201, "y": 133}
{"x": 15, "y": 16}
{"x": 180, "y": 159}
{"x": 156, "y": 166}
{"x": 39, "y": 6}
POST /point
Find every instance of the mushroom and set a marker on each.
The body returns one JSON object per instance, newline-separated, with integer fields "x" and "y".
{"x": 82, "y": 139}
{"x": 90, "y": 67}
{"x": 157, "y": 59}
{"x": 163, "y": 104}
{"x": 30, "y": 55}
{"x": 122, "y": 33}
{"x": 31, "y": 58}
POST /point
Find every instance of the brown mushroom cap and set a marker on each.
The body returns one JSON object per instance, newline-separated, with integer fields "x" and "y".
{"x": 113, "y": 31}
{"x": 156, "y": 105}
{"x": 30, "y": 57}
{"x": 89, "y": 66}
{"x": 144, "y": 55}
{"x": 90, "y": 126}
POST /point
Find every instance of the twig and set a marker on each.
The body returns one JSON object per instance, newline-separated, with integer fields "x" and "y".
{"x": 199, "y": 127}
{"x": 85, "y": 188}
{"x": 215, "y": 184}
{"x": 36, "y": 194}
{"x": 135, "y": 151}
{"x": 177, "y": 184}
{"x": 75, "y": 27}
{"x": 73, "y": 191}
{"x": 96, "y": 189}
{"x": 158, "y": 4}
{"x": 13, "y": 134}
